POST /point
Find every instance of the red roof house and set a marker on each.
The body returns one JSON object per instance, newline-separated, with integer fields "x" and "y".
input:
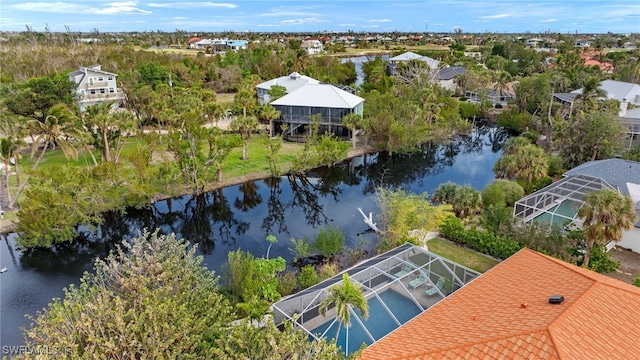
{"x": 506, "y": 314}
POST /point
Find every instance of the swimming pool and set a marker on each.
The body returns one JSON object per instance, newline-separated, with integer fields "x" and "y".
{"x": 559, "y": 214}
{"x": 379, "y": 323}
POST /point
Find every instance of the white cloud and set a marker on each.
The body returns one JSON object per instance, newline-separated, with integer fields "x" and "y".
{"x": 549, "y": 20}
{"x": 288, "y": 13}
{"x": 379, "y": 20}
{"x": 123, "y": 7}
{"x": 302, "y": 21}
{"x": 193, "y": 5}
{"x": 498, "y": 16}
{"x": 347, "y": 25}
{"x": 52, "y": 7}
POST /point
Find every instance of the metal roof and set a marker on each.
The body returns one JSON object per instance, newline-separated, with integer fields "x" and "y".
{"x": 408, "y": 56}
{"x": 320, "y": 95}
{"x": 291, "y": 82}
{"x": 619, "y": 90}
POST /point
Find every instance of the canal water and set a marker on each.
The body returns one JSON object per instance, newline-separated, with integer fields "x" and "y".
{"x": 240, "y": 217}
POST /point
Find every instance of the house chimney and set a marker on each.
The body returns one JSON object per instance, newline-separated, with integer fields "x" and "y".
{"x": 623, "y": 108}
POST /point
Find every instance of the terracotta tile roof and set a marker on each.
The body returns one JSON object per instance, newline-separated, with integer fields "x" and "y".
{"x": 505, "y": 313}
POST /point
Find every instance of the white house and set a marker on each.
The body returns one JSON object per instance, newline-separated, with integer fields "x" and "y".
{"x": 330, "y": 102}
{"x": 95, "y": 86}
{"x": 291, "y": 82}
{"x": 312, "y": 46}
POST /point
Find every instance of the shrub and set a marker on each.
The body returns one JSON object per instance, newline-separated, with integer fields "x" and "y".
{"x": 600, "y": 261}
{"x": 482, "y": 241}
{"x": 329, "y": 242}
{"x": 468, "y": 110}
{"x": 327, "y": 270}
{"x": 514, "y": 120}
{"x": 308, "y": 277}
{"x": 512, "y": 191}
{"x": 301, "y": 248}
{"x": 535, "y": 184}
{"x": 555, "y": 166}
{"x": 496, "y": 217}
{"x": 288, "y": 283}
{"x": 492, "y": 195}
{"x": 636, "y": 281}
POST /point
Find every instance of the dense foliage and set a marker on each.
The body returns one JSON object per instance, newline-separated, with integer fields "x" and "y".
{"x": 401, "y": 212}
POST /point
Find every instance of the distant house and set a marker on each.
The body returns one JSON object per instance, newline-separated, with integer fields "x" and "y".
{"x": 312, "y": 46}
{"x": 529, "y": 306}
{"x": 559, "y": 202}
{"x": 446, "y": 77}
{"x": 491, "y": 95}
{"x": 236, "y": 45}
{"x": 291, "y": 82}
{"x": 95, "y": 86}
{"x": 394, "y": 62}
{"x": 625, "y": 93}
{"x": 217, "y": 44}
{"x": 191, "y": 42}
{"x": 328, "y": 101}
{"x": 582, "y": 43}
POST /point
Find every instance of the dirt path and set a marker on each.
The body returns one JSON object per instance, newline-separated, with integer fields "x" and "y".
{"x": 629, "y": 264}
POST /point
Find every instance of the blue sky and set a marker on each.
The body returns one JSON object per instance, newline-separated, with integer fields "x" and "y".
{"x": 566, "y": 16}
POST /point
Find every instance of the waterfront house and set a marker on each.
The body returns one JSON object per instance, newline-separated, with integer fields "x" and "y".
{"x": 95, "y": 86}
{"x": 328, "y": 101}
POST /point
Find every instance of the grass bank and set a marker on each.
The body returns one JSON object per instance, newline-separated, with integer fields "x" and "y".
{"x": 463, "y": 256}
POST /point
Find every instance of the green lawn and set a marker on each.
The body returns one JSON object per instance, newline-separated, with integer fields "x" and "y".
{"x": 463, "y": 256}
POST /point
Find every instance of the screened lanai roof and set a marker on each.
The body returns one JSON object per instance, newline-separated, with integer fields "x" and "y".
{"x": 559, "y": 202}
{"x": 398, "y": 285}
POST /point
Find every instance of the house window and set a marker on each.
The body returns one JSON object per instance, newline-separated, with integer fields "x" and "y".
{"x": 90, "y": 81}
{"x": 112, "y": 90}
{"x": 102, "y": 91}
{"x": 92, "y": 92}
{"x": 109, "y": 77}
{"x": 100, "y": 78}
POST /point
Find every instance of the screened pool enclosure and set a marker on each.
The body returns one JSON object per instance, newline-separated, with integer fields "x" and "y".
{"x": 558, "y": 203}
{"x": 398, "y": 285}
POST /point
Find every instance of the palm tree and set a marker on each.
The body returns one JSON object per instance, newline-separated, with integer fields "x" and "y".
{"x": 352, "y": 122}
{"x": 244, "y": 98}
{"x": 605, "y": 213}
{"x": 245, "y": 125}
{"x": 343, "y": 297}
{"x": 501, "y": 79}
{"x": 60, "y": 127}
{"x": 9, "y": 150}
{"x": 591, "y": 92}
{"x": 269, "y": 113}
{"x": 532, "y": 163}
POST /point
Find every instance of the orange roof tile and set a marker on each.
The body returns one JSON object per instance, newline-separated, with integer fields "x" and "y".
{"x": 505, "y": 313}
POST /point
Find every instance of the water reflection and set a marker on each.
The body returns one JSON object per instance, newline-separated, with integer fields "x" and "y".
{"x": 241, "y": 216}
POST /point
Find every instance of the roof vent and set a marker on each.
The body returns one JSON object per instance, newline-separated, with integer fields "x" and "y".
{"x": 556, "y": 299}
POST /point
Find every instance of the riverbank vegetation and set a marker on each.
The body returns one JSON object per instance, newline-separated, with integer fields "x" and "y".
{"x": 166, "y": 140}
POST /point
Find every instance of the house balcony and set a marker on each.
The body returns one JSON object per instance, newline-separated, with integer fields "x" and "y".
{"x": 97, "y": 84}
{"x": 100, "y": 97}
